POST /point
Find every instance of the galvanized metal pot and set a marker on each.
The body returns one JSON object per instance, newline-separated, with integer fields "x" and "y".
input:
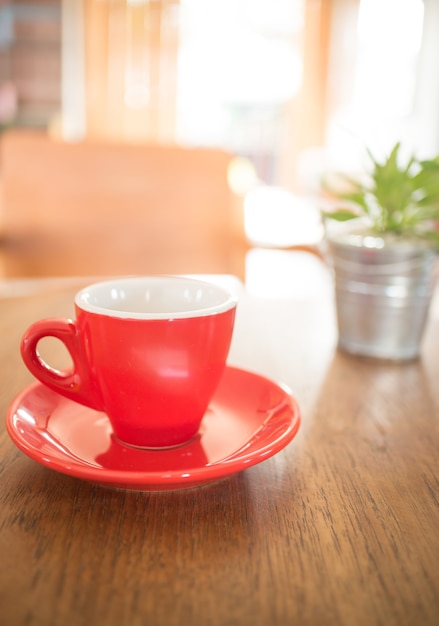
{"x": 383, "y": 289}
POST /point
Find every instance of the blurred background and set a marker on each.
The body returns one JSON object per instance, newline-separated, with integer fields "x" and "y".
{"x": 289, "y": 89}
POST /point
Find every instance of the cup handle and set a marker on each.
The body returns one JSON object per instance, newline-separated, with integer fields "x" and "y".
{"x": 74, "y": 384}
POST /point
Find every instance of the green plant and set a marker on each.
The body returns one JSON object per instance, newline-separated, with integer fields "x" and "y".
{"x": 399, "y": 199}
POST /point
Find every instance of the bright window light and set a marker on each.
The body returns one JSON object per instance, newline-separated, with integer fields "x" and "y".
{"x": 384, "y": 70}
{"x": 241, "y": 175}
{"x": 390, "y": 35}
{"x": 286, "y": 274}
{"x": 235, "y": 56}
{"x": 275, "y": 217}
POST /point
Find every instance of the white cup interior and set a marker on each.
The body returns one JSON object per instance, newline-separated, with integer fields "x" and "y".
{"x": 155, "y": 297}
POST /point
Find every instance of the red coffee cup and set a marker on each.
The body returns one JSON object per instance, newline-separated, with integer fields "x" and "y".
{"x": 148, "y": 351}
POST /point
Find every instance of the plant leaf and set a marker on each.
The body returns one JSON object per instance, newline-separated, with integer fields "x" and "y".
{"x": 358, "y": 198}
{"x": 399, "y": 198}
{"x": 341, "y": 215}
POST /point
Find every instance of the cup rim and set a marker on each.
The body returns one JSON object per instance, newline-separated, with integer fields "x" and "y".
{"x": 227, "y": 300}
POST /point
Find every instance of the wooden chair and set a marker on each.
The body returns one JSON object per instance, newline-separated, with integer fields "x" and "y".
{"x": 99, "y": 208}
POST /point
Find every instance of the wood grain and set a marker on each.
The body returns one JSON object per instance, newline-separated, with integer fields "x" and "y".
{"x": 340, "y": 528}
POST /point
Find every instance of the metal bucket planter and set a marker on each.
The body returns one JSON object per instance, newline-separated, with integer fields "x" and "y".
{"x": 383, "y": 289}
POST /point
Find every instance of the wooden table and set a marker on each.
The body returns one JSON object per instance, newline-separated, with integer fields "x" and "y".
{"x": 339, "y": 528}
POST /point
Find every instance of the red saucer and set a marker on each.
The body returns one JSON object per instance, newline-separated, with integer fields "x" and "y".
{"x": 249, "y": 420}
